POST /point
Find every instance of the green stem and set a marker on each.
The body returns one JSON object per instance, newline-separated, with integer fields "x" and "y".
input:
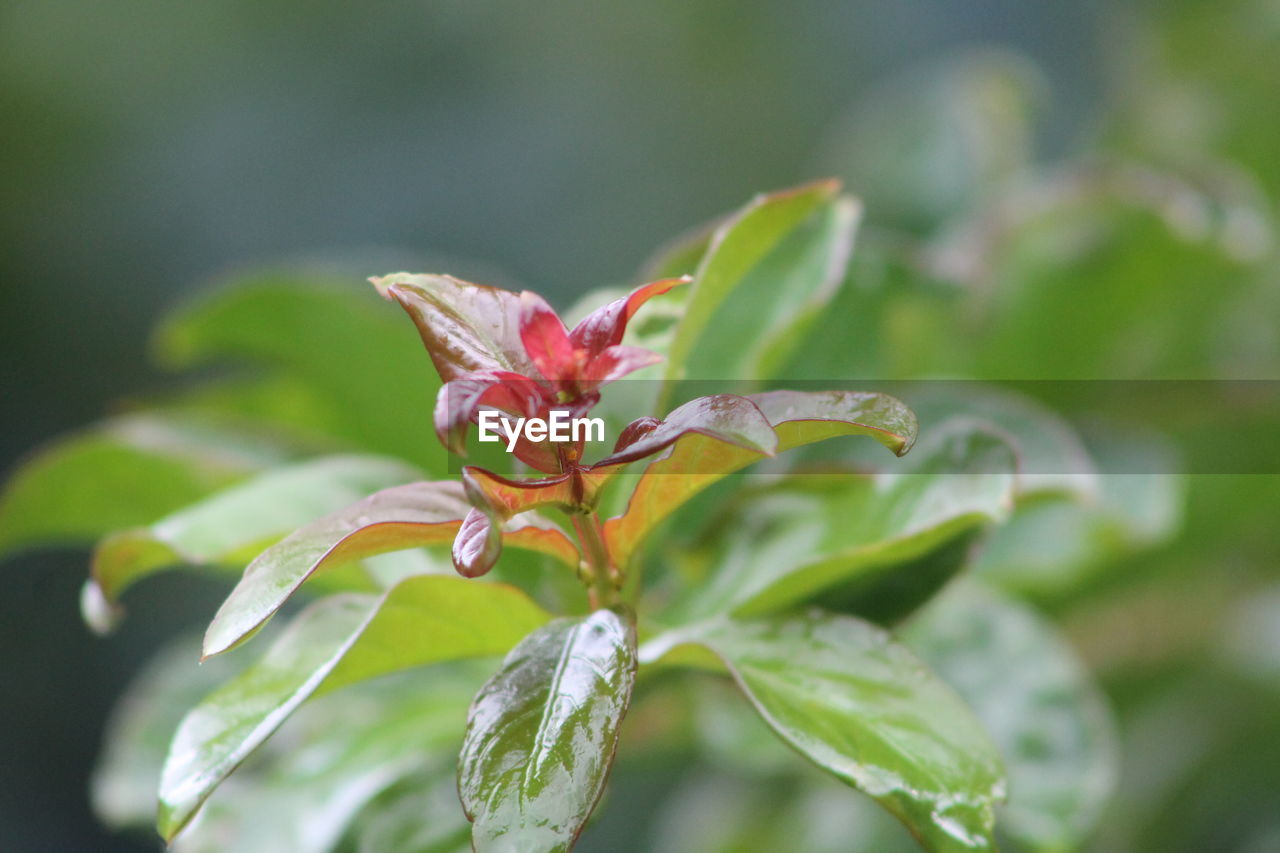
{"x": 603, "y": 589}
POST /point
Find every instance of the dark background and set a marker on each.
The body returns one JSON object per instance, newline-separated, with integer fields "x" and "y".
{"x": 151, "y": 145}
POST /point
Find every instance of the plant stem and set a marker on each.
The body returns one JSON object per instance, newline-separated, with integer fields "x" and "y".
{"x": 603, "y": 590}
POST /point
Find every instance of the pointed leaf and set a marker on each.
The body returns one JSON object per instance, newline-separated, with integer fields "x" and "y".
{"x": 236, "y": 523}
{"x": 546, "y": 340}
{"x": 465, "y": 327}
{"x": 391, "y": 520}
{"x": 696, "y": 462}
{"x": 604, "y": 327}
{"x": 337, "y": 641}
{"x": 542, "y": 733}
{"x": 1038, "y": 701}
{"x": 843, "y": 694}
{"x": 736, "y": 248}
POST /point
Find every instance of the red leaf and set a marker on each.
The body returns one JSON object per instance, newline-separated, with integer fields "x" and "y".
{"x": 604, "y": 327}
{"x": 545, "y": 339}
{"x": 616, "y": 362}
{"x": 460, "y": 399}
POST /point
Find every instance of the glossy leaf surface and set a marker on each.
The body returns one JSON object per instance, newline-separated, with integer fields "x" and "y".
{"x": 391, "y": 520}
{"x": 306, "y": 790}
{"x": 843, "y": 694}
{"x": 1039, "y": 703}
{"x": 697, "y": 461}
{"x": 465, "y": 327}
{"x": 234, "y": 524}
{"x": 340, "y": 640}
{"x": 542, "y": 734}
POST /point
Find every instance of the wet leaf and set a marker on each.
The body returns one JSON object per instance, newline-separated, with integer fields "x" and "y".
{"x": 392, "y": 520}
{"x": 1038, "y": 701}
{"x": 697, "y": 461}
{"x": 542, "y": 734}
{"x": 304, "y": 790}
{"x": 339, "y": 640}
{"x": 465, "y": 327}
{"x": 843, "y": 694}
{"x": 234, "y": 524}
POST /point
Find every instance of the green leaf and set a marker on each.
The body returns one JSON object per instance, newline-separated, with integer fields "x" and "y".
{"x": 772, "y": 305}
{"x": 331, "y": 335}
{"x": 304, "y": 791}
{"x": 843, "y": 694}
{"x": 543, "y": 731}
{"x": 736, "y": 249}
{"x": 124, "y": 782}
{"x": 394, "y": 519}
{"x": 419, "y": 816}
{"x": 231, "y": 526}
{"x": 122, "y": 473}
{"x": 697, "y": 461}
{"x": 1049, "y": 548}
{"x": 1110, "y": 270}
{"x": 339, "y": 640}
{"x": 855, "y": 532}
{"x": 1037, "y": 699}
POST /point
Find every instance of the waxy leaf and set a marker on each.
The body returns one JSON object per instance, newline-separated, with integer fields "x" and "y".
{"x": 392, "y": 520}
{"x": 339, "y": 640}
{"x": 604, "y": 328}
{"x": 234, "y": 524}
{"x": 843, "y": 694}
{"x": 465, "y": 327}
{"x": 697, "y": 461}
{"x": 123, "y": 473}
{"x": 736, "y": 248}
{"x": 542, "y": 734}
{"x": 1039, "y": 703}
{"x": 850, "y": 532}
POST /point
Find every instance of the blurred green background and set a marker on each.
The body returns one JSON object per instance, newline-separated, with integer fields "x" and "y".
{"x": 152, "y": 146}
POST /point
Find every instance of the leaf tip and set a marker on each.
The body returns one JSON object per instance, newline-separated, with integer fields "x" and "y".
{"x": 100, "y": 613}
